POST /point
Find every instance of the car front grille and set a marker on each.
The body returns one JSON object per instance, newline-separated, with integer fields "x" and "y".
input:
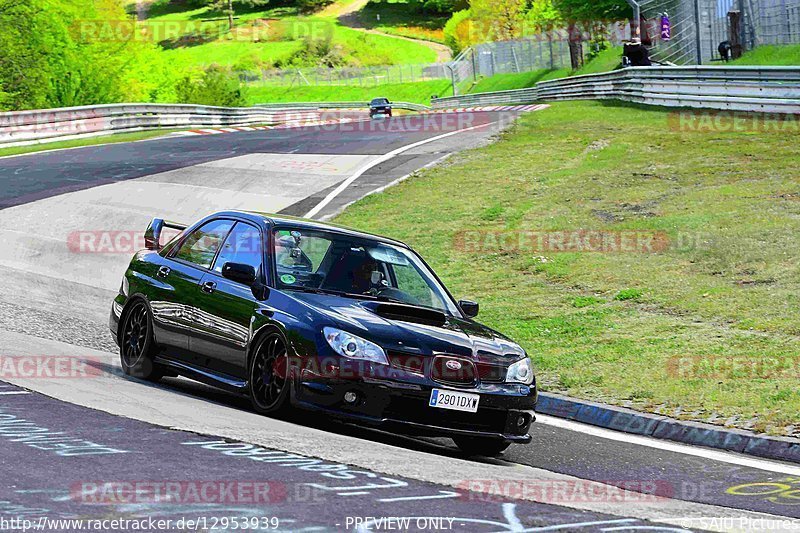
{"x": 489, "y": 373}
{"x": 469, "y": 374}
{"x": 453, "y": 370}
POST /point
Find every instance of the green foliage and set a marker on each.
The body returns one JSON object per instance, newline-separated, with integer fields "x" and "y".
{"x": 23, "y": 62}
{"x": 542, "y": 16}
{"x": 457, "y": 30}
{"x": 585, "y": 301}
{"x": 628, "y": 294}
{"x": 597, "y": 46}
{"x": 498, "y": 19}
{"x": 309, "y": 6}
{"x": 217, "y": 86}
{"x": 56, "y": 53}
{"x": 593, "y": 11}
{"x": 317, "y": 52}
{"x": 442, "y": 7}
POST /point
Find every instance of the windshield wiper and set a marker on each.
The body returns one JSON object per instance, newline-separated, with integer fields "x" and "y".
{"x": 316, "y": 290}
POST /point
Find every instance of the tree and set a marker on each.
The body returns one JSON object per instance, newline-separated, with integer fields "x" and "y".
{"x": 498, "y": 19}
{"x": 593, "y": 11}
{"x": 226, "y": 7}
{"x": 543, "y": 17}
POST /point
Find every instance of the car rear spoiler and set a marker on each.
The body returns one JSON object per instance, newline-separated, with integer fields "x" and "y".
{"x": 152, "y": 236}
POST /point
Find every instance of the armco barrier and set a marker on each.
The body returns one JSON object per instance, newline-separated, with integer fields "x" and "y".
{"x": 31, "y": 127}
{"x": 753, "y": 89}
{"x": 408, "y": 106}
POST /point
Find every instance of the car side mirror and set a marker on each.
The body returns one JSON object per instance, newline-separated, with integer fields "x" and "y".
{"x": 469, "y": 308}
{"x": 240, "y": 273}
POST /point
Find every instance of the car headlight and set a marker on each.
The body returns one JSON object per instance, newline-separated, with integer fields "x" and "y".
{"x": 353, "y": 347}
{"x": 520, "y": 372}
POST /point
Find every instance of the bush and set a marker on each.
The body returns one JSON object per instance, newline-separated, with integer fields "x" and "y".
{"x": 217, "y": 86}
{"x": 442, "y": 7}
{"x": 456, "y": 31}
{"x": 596, "y": 46}
{"x": 317, "y": 52}
{"x": 309, "y": 6}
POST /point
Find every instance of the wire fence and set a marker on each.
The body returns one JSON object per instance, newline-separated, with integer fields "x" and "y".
{"x": 348, "y": 76}
{"x": 699, "y": 27}
{"x": 488, "y": 59}
{"x": 508, "y": 57}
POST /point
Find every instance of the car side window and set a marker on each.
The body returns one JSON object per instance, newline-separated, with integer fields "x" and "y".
{"x": 243, "y": 245}
{"x": 202, "y": 245}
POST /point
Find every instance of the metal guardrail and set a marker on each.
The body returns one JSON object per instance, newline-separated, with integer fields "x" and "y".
{"x": 31, "y": 127}
{"x": 408, "y": 106}
{"x": 752, "y": 89}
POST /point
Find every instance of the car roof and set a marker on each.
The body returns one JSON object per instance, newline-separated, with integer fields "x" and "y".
{"x": 298, "y": 222}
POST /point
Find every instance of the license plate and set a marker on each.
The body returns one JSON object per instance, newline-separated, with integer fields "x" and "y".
{"x": 457, "y": 401}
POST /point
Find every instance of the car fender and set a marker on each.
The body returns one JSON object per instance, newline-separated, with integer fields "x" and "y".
{"x": 132, "y": 299}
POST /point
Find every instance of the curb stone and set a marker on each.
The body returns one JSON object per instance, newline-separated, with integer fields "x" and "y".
{"x": 662, "y": 427}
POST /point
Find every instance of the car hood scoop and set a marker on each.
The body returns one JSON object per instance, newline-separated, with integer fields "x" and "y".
{"x": 408, "y": 328}
{"x": 407, "y": 313}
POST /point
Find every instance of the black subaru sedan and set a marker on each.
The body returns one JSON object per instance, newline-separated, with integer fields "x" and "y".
{"x": 300, "y": 314}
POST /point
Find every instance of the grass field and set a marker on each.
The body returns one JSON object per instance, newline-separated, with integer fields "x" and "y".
{"x": 419, "y": 92}
{"x": 788, "y": 55}
{"x": 397, "y": 17}
{"x": 705, "y": 328}
{"x": 266, "y": 37}
{"x": 90, "y": 141}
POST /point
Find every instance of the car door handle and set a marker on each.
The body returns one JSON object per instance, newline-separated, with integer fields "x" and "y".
{"x": 209, "y": 287}
{"x": 164, "y": 271}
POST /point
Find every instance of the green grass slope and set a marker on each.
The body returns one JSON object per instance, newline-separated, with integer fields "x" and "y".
{"x": 704, "y": 328}
{"x": 269, "y": 37}
{"x": 788, "y": 55}
{"x": 419, "y": 92}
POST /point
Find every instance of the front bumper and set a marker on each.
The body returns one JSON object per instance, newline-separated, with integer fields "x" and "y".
{"x": 505, "y": 411}
{"x": 115, "y": 315}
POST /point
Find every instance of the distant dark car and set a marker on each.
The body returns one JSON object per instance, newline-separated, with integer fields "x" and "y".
{"x": 293, "y": 312}
{"x": 380, "y": 106}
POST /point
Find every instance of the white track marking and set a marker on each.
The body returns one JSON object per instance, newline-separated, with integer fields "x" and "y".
{"x": 10, "y": 393}
{"x": 697, "y": 451}
{"x": 349, "y": 181}
{"x": 510, "y": 514}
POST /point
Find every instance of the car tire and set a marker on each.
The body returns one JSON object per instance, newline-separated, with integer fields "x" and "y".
{"x": 269, "y": 375}
{"x": 137, "y": 347}
{"x": 481, "y": 445}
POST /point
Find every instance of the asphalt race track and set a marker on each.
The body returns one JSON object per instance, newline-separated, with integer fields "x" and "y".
{"x": 104, "y": 446}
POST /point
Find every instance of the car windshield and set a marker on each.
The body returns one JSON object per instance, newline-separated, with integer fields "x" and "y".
{"x": 380, "y": 101}
{"x": 330, "y": 262}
